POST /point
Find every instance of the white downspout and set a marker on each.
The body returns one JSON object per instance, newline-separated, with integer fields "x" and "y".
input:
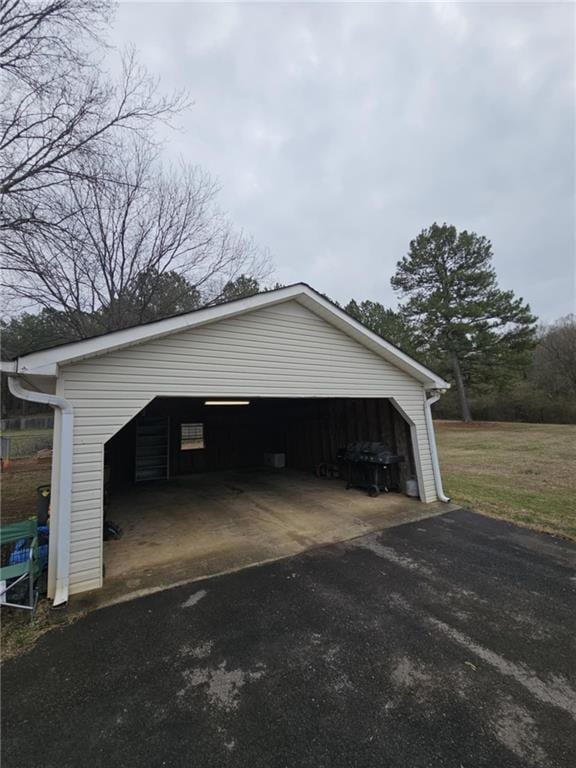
{"x": 433, "y": 448}
{"x": 64, "y": 497}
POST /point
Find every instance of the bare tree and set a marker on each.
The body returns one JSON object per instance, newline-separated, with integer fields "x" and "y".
{"x": 554, "y": 362}
{"x": 124, "y": 228}
{"x": 60, "y": 111}
{"x": 41, "y": 40}
{"x": 94, "y": 230}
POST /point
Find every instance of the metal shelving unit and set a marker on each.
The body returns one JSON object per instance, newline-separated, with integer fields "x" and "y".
{"x": 152, "y": 449}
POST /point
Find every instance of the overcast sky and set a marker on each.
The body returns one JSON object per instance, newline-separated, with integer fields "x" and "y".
{"x": 339, "y": 131}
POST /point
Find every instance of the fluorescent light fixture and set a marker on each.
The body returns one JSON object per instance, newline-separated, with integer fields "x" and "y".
{"x": 227, "y": 402}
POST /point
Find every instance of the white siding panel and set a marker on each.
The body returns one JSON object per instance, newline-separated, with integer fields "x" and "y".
{"x": 280, "y": 351}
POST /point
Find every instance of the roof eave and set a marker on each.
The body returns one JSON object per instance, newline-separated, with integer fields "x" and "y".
{"x": 50, "y": 359}
{"x": 47, "y": 362}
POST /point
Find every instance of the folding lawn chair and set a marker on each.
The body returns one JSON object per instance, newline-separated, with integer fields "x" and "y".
{"x": 19, "y": 561}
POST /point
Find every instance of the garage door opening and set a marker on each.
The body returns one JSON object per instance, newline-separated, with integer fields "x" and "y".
{"x": 177, "y": 436}
{"x": 205, "y": 485}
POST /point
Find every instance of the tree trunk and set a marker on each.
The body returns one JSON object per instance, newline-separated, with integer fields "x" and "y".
{"x": 462, "y": 398}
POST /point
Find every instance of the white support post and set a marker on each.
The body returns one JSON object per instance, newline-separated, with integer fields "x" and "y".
{"x": 433, "y": 447}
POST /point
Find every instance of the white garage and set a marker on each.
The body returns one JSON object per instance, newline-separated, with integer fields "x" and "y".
{"x": 283, "y": 377}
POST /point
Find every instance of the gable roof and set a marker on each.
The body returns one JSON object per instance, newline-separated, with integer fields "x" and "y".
{"x": 45, "y": 362}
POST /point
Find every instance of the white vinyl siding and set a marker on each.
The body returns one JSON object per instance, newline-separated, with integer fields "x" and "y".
{"x": 280, "y": 351}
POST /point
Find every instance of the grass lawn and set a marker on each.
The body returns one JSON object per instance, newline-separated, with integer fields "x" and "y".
{"x": 24, "y": 472}
{"x": 524, "y": 473}
{"x": 26, "y": 442}
{"x": 19, "y": 500}
{"x": 17, "y": 433}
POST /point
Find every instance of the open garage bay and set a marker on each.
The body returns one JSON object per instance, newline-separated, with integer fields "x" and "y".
{"x": 214, "y": 522}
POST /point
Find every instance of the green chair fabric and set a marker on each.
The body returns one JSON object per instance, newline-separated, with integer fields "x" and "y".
{"x": 28, "y": 569}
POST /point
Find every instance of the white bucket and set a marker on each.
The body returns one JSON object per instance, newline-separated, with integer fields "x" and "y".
{"x": 412, "y": 488}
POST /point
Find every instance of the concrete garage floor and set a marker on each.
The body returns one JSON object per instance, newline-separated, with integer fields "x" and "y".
{"x": 445, "y": 643}
{"x": 201, "y": 525}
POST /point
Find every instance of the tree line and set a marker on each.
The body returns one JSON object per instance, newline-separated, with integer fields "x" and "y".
{"x": 538, "y": 386}
{"x": 508, "y": 367}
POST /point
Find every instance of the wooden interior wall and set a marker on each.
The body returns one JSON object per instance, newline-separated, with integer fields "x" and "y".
{"x": 319, "y": 428}
{"x": 309, "y": 432}
{"x": 119, "y": 455}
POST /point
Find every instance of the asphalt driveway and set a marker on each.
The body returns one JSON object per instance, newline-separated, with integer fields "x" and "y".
{"x": 445, "y": 642}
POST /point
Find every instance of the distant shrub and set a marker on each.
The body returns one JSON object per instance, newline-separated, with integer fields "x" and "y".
{"x": 523, "y": 403}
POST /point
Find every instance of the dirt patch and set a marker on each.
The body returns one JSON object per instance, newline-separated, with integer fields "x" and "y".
{"x": 19, "y": 635}
{"x": 18, "y": 488}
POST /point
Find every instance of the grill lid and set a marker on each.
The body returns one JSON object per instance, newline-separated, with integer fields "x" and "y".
{"x": 371, "y": 452}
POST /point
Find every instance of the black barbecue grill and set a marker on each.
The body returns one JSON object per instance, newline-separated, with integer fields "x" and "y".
{"x": 369, "y": 465}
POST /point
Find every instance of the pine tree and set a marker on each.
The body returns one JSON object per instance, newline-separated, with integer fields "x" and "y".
{"x": 459, "y": 313}
{"x": 385, "y": 322}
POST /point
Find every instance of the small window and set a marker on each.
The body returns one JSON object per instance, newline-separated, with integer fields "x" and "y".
{"x": 191, "y": 437}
